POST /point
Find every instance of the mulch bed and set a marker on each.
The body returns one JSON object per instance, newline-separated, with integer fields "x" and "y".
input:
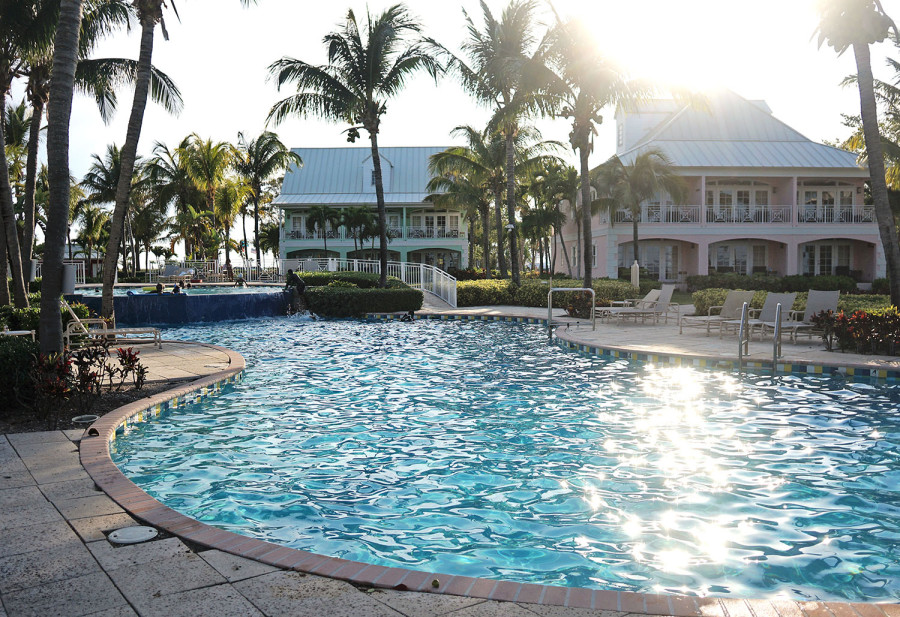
{"x": 24, "y": 420}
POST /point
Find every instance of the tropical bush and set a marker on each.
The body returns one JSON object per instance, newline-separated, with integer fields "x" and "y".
{"x": 16, "y": 358}
{"x": 363, "y": 280}
{"x": 796, "y": 282}
{"x": 863, "y": 302}
{"x": 867, "y": 332}
{"x": 534, "y": 293}
{"x": 881, "y": 286}
{"x": 29, "y": 318}
{"x": 706, "y": 298}
{"x": 354, "y": 302}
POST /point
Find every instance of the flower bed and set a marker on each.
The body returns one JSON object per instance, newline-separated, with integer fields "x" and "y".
{"x": 866, "y": 332}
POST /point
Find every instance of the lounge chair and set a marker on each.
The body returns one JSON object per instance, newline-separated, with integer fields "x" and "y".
{"x": 661, "y": 307}
{"x": 730, "y": 310}
{"x": 174, "y": 273}
{"x": 644, "y": 302}
{"x": 79, "y": 330}
{"x": 817, "y": 302}
{"x": 766, "y": 315}
{"x": 7, "y": 332}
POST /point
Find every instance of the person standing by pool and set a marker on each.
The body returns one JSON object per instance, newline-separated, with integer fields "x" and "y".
{"x": 296, "y": 285}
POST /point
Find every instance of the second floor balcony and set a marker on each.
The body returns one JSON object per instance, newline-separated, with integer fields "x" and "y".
{"x": 394, "y": 233}
{"x": 743, "y": 214}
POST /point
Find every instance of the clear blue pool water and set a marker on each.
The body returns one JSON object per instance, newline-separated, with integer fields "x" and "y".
{"x": 478, "y": 449}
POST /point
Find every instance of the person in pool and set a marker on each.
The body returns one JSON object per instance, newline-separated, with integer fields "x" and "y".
{"x": 293, "y": 280}
{"x": 176, "y": 289}
{"x": 159, "y": 289}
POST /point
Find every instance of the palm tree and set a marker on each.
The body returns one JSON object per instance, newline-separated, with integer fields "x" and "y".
{"x": 190, "y": 225}
{"x": 206, "y": 163}
{"x": 858, "y": 24}
{"x": 149, "y": 222}
{"x": 508, "y": 73}
{"x": 170, "y": 182}
{"x": 355, "y": 220}
{"x": 93, "y": 221}
{"x": 26, "y": 26}
{"x": 150, "y": 13}
{"x": 587, "y": 82}
{"x": 257, "y": 161}
{"x": 468, "y": 192}
{"x": 270, "y": 239}
{"x": 229, "y": 199}
{"x": 561, "y": 182}
{"x": 320, "y": 217}
{"x": 364, "y": 71}
{"x": 630, "y": 185}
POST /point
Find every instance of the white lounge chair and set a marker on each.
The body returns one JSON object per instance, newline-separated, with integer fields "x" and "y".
{"x": 817, "y": 302}
{"x": 730, "y": 310}
{"x": 766, "y": 315}
{"x": 661, "y": 307}
{"x": 90, "y": 329}
{"x": 651, "y": 297}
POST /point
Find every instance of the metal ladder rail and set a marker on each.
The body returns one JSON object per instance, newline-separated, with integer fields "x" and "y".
{"x": 744, "y": 335}
{"x": 550, "y": 306}
{"x": 776, "y": 343}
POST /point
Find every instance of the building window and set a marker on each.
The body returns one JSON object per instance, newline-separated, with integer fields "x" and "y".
{"x": 762, "y": 198}
{"x": 574, "y": 256}
{"x": 709, "y": 198}
{"x": 759, "y": 258}
{"x": 743, "y": 198}
{"x": 373, "y": 178}
{"x": 593, "y": 255}
{"x": 825, "y": 266}
{"x": 846, "y": 197}
{"x": 620, "y": 134}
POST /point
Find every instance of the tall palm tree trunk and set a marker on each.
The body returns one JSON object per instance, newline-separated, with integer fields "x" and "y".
{"x": 486, "y": 239}
{"x": 586, "y": 231}
{"x": 13, "y": 253}
{"x": 887, "y": 226}
{"x": 511, "y": 207}
{"x": 498, "y": 223}
{"x": 34, "y": 134}
{"x": 4, "y": 272}
{"x": 256, "y": 221}
{"x": 382, "y": 211}
{"x": 128, "y": 156}
{"x": 62, "y": 87}
{"x": 565, "y": 251}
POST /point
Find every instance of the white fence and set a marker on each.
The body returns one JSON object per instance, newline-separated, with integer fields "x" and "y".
{"x": 418, "y": 276}
{"x": 79, "y": 270}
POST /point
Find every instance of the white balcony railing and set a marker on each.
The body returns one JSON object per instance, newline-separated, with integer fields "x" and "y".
{"x": 745, "y": 214}
{"x": 394, "y": 233}
{"x": 418, "y": 276}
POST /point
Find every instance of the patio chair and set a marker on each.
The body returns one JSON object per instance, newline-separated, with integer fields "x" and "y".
{"x": 78, "y": 330}
{"x": 766, "y": 315}
{"x": 729, "y": 310}
{"x": 661, "y": 307}
{"x": 651, "y": 297}
{"x": 817, "y": 302}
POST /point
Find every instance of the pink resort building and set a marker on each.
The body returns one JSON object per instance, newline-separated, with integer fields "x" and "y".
{"x": 762, "y": 198}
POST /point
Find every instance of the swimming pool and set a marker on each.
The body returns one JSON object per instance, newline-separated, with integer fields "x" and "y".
{"x": 477, "y": 449}
{"x": 194, "y": 290}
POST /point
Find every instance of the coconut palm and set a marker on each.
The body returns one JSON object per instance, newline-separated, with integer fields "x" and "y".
{"x": 270, "y": 239}
{"x": 506, "y": 72}
{"x": 148, "y": 224}
{"x": 171, "y": 183}
{"x": 561, "y": 182}
{"x": 365, "y": 70}
{"x": 206, "y": 163}
{"x": 356, "y": 220}
{"x": 628, "y": 186}
{"x": 93, "y": 220}
{"x": 257, "y": 161}
{"x": 26, "y": 26}
{"x": 320, "y": 217}
{"x": 586, "y": 82}
{"x": 149, "y": 13}
{"x": 857, "y": 24}
{"x": 229, "y": 199}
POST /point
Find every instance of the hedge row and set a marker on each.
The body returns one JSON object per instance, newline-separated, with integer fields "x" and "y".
{"x": 363, "y": 280}
{"x": 355, "y": 302}
{"x": 847, "y": 302}
{"x": 866, "y": 332}
{"x": 29, "y": 318}
{"x": 16, "y": 358}
{"x": 534, "y": 293}
{"x": 781, "y": 284}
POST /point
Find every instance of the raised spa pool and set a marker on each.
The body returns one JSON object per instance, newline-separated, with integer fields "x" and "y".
{"x": 478, "y": 449}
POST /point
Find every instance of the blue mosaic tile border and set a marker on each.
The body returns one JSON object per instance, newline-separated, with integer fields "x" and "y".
{"x": 157, "y": 409}
{"x": 673, "y": 360}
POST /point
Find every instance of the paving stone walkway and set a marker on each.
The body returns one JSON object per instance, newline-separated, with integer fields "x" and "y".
{"x": 55, "y": 559}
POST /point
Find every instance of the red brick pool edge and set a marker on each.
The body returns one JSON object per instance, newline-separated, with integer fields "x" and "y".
{"x": 95, "y": 458}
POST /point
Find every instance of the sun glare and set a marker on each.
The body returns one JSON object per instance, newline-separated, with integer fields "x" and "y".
{"x": 697, "y": 45}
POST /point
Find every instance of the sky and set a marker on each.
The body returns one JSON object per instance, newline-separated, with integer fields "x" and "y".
{"x": 218, "y": 53}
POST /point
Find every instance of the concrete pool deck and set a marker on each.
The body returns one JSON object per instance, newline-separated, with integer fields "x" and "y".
{"x": 55, "y": 559}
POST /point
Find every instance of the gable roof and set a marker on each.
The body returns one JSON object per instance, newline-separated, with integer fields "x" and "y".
{"x": 335, "y": 175}
{"x": 735, "y": 132}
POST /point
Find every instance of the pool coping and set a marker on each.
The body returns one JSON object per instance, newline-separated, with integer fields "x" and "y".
{"x": 97, "y": 462}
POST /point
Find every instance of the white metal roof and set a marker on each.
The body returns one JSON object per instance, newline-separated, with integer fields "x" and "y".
{"x": 735, "y": 132}
{"x": 335, "y": 176}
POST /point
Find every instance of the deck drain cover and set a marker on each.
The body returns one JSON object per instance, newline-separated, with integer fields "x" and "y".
{"x": 132, "y": 535}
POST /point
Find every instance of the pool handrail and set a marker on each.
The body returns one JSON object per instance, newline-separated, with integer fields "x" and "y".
{"x": 550, "y": 306}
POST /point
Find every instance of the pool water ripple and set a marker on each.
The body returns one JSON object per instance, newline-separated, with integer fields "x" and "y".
{"x": 477, "y": 449}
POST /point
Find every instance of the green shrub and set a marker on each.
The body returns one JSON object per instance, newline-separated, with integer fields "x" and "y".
{"x": 797, "y": 282}
{"x": 29, "y": 318}
{"x": 353, "y": 302}
{"x": 863, "y": 302}
{"x": 344, "y": 284}
{"x": 881, "y": 286}
{"x": 866, "y": 332}
{"x": 484, "y": 293}
{"x": 35, "y": 285}
{"x": 363, "y": 280}
{"x": 17, "y": 354}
